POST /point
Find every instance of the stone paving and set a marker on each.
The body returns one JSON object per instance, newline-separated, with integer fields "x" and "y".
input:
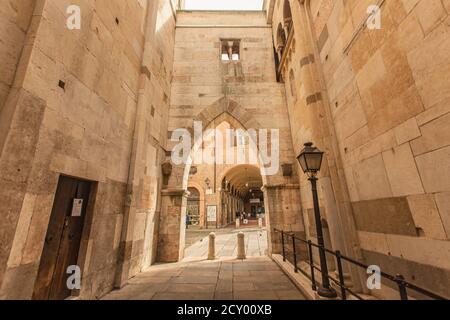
{"x": 226, "y": 244}
{"x": 194, "y": 235}
{"x": 195, "y": 278}
{"x": 257, "y": 278}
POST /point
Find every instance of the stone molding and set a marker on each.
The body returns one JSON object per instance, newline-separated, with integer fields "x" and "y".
{"x": 174, "y": 192}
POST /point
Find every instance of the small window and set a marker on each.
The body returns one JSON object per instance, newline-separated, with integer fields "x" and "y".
{"x": 230, "y": 50}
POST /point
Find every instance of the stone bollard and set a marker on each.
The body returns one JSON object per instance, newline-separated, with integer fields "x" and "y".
{"x": 260, "y": 223}
{"x": 241, "y": 246}
{"x": 212, "y": 246}
{"x": 238, "y": 223}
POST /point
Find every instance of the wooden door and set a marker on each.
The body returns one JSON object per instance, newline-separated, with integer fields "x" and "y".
{"x": 62, "y": 242}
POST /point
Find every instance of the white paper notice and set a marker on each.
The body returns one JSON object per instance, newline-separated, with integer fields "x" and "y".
{"x": 211, "y": 213}
{"x": 77, "y": 207}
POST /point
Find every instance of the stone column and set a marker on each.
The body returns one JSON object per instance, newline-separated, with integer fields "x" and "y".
{"x": 333, "y": 188}
{"x": 124, "y": 270}
{"x": 181, "y": 4}
{"x": 280, "y": 49}
{"x": 212, "y": 246}
{"x": 286, "y": 25}
{"x": 172, "y": 225}
{"x": 241, "y": 246}
{"x": 235, "y": 206}
{"x": 283, "y": 212}
{"x": 230, "y": 50}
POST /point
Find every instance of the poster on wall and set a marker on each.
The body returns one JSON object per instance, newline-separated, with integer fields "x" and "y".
{"x": 212, "y": 213}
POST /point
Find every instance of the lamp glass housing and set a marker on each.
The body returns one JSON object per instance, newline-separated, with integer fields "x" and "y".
{"x": 310, "y": 159}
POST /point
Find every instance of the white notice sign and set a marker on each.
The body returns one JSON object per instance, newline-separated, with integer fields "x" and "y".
{"x": 212, "y": 213}
{"x": 77, "y": 207}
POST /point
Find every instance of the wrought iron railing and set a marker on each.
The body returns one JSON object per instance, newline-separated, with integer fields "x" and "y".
{"x": 399, "y": 280}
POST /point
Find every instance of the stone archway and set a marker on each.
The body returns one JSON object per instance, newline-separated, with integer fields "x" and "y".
{"x": 281, "y": 192}
{"x": 224, "y": 110}
{"x": 241, "y": 181}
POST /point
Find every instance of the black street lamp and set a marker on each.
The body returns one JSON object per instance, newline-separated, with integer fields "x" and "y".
{"x": 310, "y": 160}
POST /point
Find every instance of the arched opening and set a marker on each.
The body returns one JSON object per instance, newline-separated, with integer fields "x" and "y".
{"x": 244, "y": 183}
{"x": 223, "y": 115}
{"x": 230, "y": 190}
{"x": 279, "y": 199}
{"x": 287, "y": 16}
{"x": 193, "y": 208}
{"x": 238, "y": 207}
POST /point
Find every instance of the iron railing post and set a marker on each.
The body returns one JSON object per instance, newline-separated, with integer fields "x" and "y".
{"x": 341, "y": 275}
{"x": 311, "y": 264}
{"x": 295, "y": 254}
{"x": 401, "y": 287}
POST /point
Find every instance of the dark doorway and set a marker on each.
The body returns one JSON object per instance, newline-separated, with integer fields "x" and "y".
{"x": 62, "y": 242}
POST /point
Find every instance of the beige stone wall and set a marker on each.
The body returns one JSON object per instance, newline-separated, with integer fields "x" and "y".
{"x": 309, "y": 122}
{"x": 116, "y": 69}
{"x": 15, "y": 18}
{"x": 145, "y": 179}
{"x": 198, "y": 80}
{"x": 384, "y": 98}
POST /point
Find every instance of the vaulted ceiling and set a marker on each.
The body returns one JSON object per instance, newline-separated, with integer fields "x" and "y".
{"x": 245, "y": 178}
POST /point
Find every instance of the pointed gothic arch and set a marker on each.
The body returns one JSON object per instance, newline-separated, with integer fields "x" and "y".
{"x": 223, "y": 110}
{"x": 225, "y": 107}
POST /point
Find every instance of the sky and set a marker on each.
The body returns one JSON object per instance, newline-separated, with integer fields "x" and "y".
{"x": 224, "y": 4}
